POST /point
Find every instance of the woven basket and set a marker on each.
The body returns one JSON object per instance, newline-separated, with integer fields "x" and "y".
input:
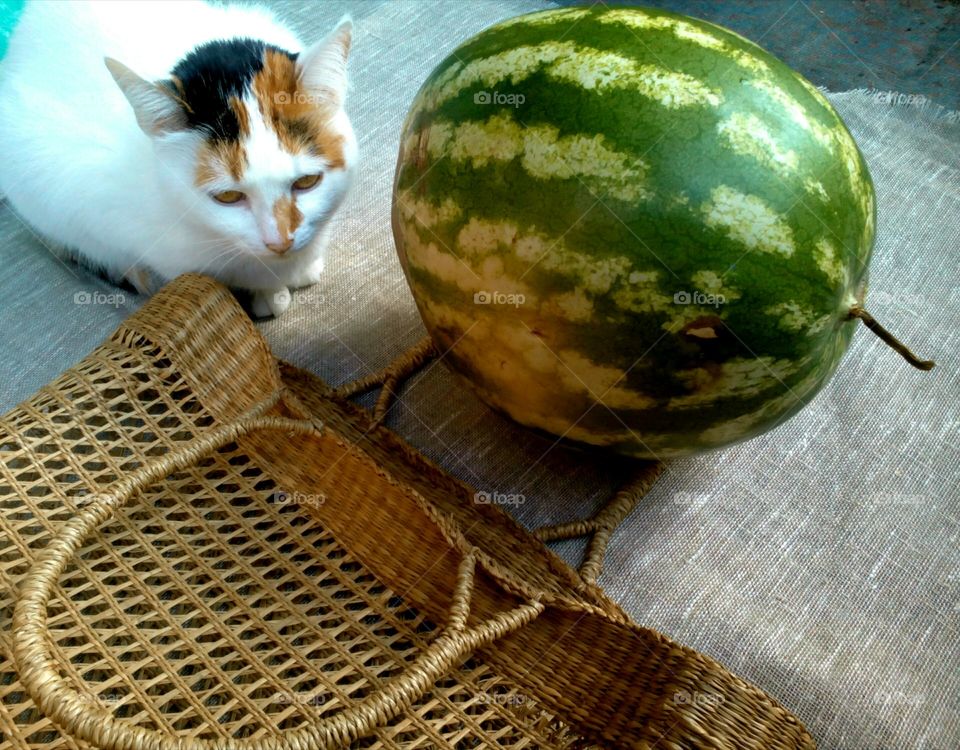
{"x": 201, "y": 547}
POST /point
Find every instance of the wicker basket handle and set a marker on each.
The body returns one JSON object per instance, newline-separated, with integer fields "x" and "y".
{"x": 76, "y": 716}
{"x": 600, "y": 526}
{"x": 390, "y": 378}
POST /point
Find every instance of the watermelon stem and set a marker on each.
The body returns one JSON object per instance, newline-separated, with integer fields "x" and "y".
{"x": 889, "y": 339}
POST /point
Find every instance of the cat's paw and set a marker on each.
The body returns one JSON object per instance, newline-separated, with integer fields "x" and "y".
{"x": 309, "y": 275}
{"x": 267, "y": 302}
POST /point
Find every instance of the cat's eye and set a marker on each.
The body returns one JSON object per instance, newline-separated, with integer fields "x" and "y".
{"x": 306, "y": 182}
{"x": 228, "y": 196}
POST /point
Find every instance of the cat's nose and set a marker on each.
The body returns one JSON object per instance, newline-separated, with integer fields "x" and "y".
{"x": 280, "y": 247}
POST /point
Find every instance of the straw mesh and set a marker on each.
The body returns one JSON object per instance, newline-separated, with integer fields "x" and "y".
{"x": 216, "y": 606}
{"x": 200, "y": 543}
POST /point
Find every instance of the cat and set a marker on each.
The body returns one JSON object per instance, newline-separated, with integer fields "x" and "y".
{"x": 157, "y": 138}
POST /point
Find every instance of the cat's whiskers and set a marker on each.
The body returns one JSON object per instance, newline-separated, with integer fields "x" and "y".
{"x": 217, "y": 241}
{"x": 231, "y": 252}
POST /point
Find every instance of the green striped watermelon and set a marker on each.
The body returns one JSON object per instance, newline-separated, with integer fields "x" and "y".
{"x": 631, "y": 228}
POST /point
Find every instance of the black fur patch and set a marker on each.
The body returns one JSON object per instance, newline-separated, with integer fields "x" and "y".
{"x": 213, "y": 73}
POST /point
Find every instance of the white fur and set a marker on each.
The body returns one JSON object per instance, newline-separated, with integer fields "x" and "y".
{"x": 75, "y": 164}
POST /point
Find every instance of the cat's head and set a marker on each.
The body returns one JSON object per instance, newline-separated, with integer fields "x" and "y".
{"x": 254, "y": 137}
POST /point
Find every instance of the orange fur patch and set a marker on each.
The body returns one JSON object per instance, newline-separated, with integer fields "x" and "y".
{"x": 243, "y": 117}
{"x": 330, "y": 146}
{"x": 300, "y": 120}
{"x": 288, "y": 216}
{"x": 216, "y": 156}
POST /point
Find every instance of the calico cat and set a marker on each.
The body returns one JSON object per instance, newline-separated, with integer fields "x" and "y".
{"x": 155, "y": 138}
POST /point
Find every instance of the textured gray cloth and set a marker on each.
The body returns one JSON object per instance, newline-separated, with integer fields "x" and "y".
{"x": 820, "y": 561}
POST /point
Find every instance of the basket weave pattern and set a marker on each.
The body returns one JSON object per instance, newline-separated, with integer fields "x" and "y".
{"x": 288, "y": 575}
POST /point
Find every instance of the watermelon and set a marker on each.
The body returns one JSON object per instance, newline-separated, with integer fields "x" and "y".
{"x": 631, "y": 228}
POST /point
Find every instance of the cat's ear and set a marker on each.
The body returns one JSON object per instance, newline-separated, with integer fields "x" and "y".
{"x": 157, "y": 108}
{"x": 323, "y": 66}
